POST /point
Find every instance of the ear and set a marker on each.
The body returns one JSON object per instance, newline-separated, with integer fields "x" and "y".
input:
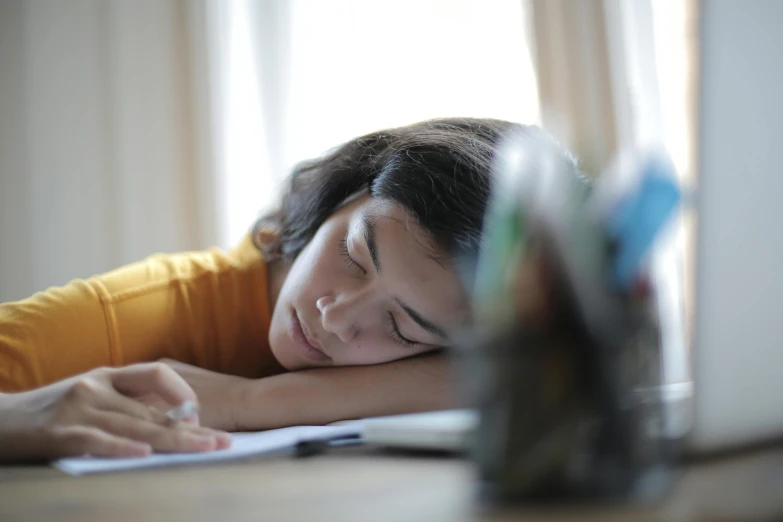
{"x": 265, "y": 238}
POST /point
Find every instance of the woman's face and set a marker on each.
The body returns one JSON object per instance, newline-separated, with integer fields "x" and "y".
{"x": 365, "y": 290}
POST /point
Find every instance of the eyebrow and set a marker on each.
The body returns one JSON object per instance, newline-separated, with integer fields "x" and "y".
{"x": 369, "y": 237}
{"x": 372, "y": 246}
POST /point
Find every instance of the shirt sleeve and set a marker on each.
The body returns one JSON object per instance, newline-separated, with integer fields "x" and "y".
{"x": 206, "y": 308}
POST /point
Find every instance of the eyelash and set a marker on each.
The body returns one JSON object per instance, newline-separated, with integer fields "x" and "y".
{"x": 397, "y": 335}
{"x": 347, "y": 256}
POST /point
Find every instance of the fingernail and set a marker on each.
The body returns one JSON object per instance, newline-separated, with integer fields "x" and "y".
{"x": 223, "y": 440}
{"x": 140, "y": 450}
{"x": 193, "y": 419}
{"x": 204, "y": 441}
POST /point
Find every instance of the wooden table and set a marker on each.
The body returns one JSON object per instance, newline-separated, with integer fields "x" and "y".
{"x": 356, "y": 484}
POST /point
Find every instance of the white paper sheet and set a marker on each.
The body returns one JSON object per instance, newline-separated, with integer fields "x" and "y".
{"x": 243, "y": 445}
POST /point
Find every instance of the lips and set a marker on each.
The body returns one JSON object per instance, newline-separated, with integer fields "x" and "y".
{"x": 309, "y": 347}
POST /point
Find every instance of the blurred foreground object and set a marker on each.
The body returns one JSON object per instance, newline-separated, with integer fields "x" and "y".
{"x": 567, "y": 363}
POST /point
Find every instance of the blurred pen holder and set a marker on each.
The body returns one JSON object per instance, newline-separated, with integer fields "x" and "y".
{"x": 565, "y": 362}
{"x": 564, "y": 420}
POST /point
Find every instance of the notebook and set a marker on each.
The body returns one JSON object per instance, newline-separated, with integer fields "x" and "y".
{"x": 243, "y": 445}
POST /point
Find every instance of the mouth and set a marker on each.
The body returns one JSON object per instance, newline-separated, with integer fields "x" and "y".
{"x": 307, "y": 345}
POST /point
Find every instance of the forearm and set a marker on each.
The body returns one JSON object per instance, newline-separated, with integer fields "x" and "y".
{"x": 326, "y": 395}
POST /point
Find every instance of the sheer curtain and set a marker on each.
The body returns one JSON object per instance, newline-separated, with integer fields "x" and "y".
{"x": 131, "y": 127}
{"x": 100, "y": 147}
{"x": 324, "y": 72}
{"x": 617, "y": 76}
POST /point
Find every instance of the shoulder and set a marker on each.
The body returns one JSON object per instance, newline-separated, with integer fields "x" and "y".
{"x": 161, "y": 270}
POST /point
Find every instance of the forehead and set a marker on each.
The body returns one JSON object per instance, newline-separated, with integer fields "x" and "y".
{"x": 398, "y": 227}
{"x": 412, "y": 267}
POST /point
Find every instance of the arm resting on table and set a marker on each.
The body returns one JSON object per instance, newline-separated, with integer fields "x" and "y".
{"x": 321, "y": 396}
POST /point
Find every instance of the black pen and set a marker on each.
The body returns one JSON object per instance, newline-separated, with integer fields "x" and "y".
{"x": 310, "y": 447}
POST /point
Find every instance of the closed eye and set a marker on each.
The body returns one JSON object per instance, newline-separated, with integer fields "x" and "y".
{"x": 347, "y": 257}
{"x": 397, "y": 335}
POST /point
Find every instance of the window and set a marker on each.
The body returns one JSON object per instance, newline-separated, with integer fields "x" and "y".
{"x": 304, "y": 76}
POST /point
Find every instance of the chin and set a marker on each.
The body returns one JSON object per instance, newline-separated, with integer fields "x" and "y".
{"x": 282, "y": 353}
{"x": 284, "y": 357}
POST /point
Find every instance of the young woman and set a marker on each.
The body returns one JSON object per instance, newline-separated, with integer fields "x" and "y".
{"x": 337, "y": 306}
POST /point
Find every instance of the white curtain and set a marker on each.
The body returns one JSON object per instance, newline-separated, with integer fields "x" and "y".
{"x": 615, "y": 76}
{"x": 134, "y": 126}
{"x": 323, "y": 72}
{"x": 101, "y": 137}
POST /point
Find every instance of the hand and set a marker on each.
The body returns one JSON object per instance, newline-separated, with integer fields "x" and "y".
{"x": 95, "y": 413}
{"x": 219, "y": 395}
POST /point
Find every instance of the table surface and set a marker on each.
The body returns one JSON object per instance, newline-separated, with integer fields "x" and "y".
{"x": 363, "y": 484}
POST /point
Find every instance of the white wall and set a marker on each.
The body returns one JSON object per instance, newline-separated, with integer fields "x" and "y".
{"x": 98, "y": 162}
{"x": 739, "y": 299}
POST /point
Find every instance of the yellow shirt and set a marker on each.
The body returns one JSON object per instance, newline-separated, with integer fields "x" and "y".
{"x": 210, "y": 309}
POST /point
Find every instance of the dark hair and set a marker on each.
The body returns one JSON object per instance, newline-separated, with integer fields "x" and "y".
{"x": 438, "y": 170}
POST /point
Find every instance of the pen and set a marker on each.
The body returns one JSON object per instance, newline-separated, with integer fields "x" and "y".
{"x": 310, "y": 447}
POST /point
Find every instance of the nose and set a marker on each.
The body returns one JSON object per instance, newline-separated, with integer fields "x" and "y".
{"x": 342, "y": 314}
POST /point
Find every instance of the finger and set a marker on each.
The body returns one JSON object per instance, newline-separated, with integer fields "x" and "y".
{"x": 157, "y": 378}
{"x": 192, "y": 419}
{"x": 180, "y": 438}
{"x": 113, "y": 402}
{"x": 110, "y": 399}
{"x": 80, "y": 440}
{"x": 159, "y": 404}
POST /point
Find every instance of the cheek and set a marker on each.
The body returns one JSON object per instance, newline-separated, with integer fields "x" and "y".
{"x": 376, "y": 348}
{"x": 370, "y": 349}
{"x": 311, "y": 274}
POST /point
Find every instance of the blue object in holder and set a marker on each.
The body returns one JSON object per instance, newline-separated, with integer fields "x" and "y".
{"x": 638, "y": 219}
